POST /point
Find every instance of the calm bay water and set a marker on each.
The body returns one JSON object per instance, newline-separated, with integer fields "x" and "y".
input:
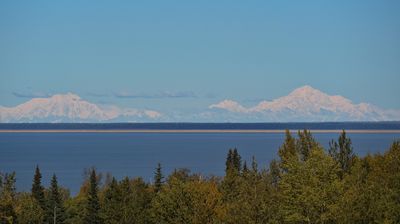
{"x": 137, "y": 154}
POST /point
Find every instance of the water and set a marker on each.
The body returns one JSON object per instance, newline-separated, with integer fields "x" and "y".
{"x": 137, "y": 154}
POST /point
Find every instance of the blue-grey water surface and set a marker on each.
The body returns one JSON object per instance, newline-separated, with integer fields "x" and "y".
{"x": 137, "y": 154}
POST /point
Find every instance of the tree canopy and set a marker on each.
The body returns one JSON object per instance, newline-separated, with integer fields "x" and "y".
{"x": 304, "y": 184}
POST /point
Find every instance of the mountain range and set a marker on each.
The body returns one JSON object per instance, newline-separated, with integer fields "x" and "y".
{"x": 307, "y": 104}
{"x": 304, "y": 104}
{"x": 71, "y": 108}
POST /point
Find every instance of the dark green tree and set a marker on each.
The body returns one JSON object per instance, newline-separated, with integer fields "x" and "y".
{"x": 305, "y": 143}
{"x": 342, "y": 152}
{"x": 158, "y": 178}
{"x": 229, "y": 164}
{"x": 181, "y": 174}
{"x": 56, "y": 210}
{"x": 274, "y": 172}
{"x": 254, "y": 165}
{"x": 92, "y": 215}
{"x": 237, "y": 160}
{"x": 134, "y": 201}
{"x": 112, "y": 203}
{"x": 287, "y": 152}
{"x": 245, "y": 168}
{"x": 38, "y": 189}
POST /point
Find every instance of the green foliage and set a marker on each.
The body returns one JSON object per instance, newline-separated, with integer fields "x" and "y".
{"x": 158, "y": 178}
{"x": 28, "y": 210}
{"x": 75, "y": 209}
{"x": 305, "y": 143}
{"x": 55, "y": 203}
{"x": 372, "y": 189}
{"x": 38, "y": 189}
{"x": 274, "y": 172}
{"x": 7, "y": 198}
{"x": 308, "y": 190}
{"x": 306, "y": 185}
{"x": 187, "y": 202}
{"x": 111, "y": 211}
{"x": 92, "y": 215}
{"x": 233, "y": 164}
{"x": 287, "y": 152}
{"x": 342, "y": 152}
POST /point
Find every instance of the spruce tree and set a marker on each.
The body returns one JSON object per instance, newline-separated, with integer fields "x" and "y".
{"x": 93, "y": 205}
{"x": 233, "y": 163}
{"x": 158, "y": 178}
{"x": 305, "y": 144}
{"x": 38, "y": 189}
{"x": 56, "y": 211}
{"x": 112, "y": 203}
{"x": 275, "y": 172}
{"x": 254, "y": 165}
{"x": 245, "y": 169}
{"x": 237, "y": 160}
{"x": 229, "y": 161}
{"x": 342, "y": 152}
{"x": 287, "y": 152}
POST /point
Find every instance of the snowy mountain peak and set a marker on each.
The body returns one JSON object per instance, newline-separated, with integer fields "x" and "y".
{"x": 306, "y": 91}
{"x": 69, "y": 108}
{"x": 308, "y": 104}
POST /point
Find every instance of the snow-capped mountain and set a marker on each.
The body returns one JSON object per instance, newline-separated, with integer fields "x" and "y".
{"x": 71, "y": 108}
{"x": 307, "y": 104}
{"x": 302, "y": 104}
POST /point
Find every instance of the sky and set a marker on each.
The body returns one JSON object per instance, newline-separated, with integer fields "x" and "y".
{"x": 185, "y": 55}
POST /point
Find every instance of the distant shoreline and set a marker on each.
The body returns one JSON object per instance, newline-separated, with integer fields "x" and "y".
{"x": 186, "y": 131}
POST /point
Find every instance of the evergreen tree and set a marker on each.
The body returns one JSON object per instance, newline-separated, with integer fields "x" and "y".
{"x": 254, "y": 165}
{"x": 56, "y": 211}
{"x": 245, "y": 169}
{"x": 229, "y": 161}
{"x": 93, "y": 205}
{"x": 342, "y": 152}
{"x": 38, "y": 189}
{"x": 305, "y": 143}
{"x": 308, "y": 191}
{"x": 274, "y": 172}
{"x": 287, "y": 152}
{"x": 158, "y": 178}
{"x": 233, "y": 164}
{"x": 112, "y": 203}
{"x": 237, "y": 160}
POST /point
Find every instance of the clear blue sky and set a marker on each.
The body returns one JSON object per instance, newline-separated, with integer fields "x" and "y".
{"x": 185, "y": 55}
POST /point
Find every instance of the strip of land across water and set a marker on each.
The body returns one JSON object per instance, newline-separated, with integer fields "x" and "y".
{"x": 187, "y": 131}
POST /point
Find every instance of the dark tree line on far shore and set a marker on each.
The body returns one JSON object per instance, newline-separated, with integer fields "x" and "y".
{"x": 307, "y": 184}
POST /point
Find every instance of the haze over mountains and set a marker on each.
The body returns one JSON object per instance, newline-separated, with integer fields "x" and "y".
{"x": 308, "y": 104}
{"x": 71, "y": 108}
{"x": 302, "y": 104}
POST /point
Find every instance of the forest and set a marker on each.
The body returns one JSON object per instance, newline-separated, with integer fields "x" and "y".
{"x": 305, "y": 184}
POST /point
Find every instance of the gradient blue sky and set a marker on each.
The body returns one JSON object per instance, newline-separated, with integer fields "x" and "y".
{"x": 185, "y": 55}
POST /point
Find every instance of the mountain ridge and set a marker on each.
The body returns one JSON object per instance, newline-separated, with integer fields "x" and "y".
{"x": 304, "y": 104}
{"x": 69, "y": 107}
{"x": 309, "y": 104}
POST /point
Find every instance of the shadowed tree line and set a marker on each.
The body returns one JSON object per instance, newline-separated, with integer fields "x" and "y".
{"x": 306, "y": 184}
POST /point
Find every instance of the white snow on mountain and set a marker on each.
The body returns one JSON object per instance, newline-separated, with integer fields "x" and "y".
{"x": 304, "y": 104}
{"x": 71, "y": 108}
{"x": 230, "y": 105}
{"x": 307, "y": 104}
